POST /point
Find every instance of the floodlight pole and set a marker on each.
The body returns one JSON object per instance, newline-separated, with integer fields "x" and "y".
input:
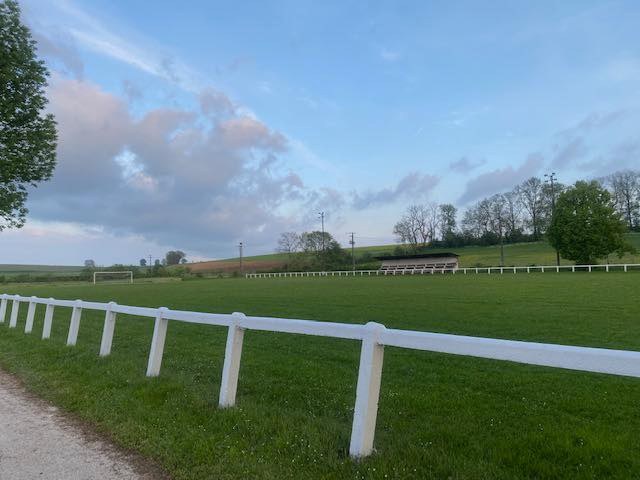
{"x": 552, "y": 179}
{"x": 240, "y": 247}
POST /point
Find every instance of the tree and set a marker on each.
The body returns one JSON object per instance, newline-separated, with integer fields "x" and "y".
{"x": 313, "y": 242}
{"x": 289, "y": 242}
{"x": 89, "y": 264}
{"x": 332, "y": 256}
{"x": 447, "y": 218}
{"x": 143, "y": 262}
{"x": 27, "y": 135}
{"x": 531, "y": 193}
{"x": 173, "y": 257}
{"x": 625, "y": 189}
{"x": 498, "y": 215}
{"x": 513, "y": 221}
{"x": 585, "y": 225}
{"x": 418, "y": 225}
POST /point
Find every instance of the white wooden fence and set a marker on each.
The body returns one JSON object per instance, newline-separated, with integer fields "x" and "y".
{"x": 373, "y": 336}
{"x": 622, "y": 267}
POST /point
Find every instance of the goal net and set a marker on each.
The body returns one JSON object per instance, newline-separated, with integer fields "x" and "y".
{"x": 113, "y": 277}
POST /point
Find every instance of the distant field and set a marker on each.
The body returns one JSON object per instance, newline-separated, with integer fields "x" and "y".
{"x": 440, "y": 416}
{"x": 519, "y": 254}
{"x": 12, "y": 270}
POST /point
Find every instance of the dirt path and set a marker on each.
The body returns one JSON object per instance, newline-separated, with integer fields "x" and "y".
{"x": 38, "y": 442}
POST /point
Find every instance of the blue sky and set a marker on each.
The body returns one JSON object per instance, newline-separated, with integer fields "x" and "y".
{"x": 215, "y": 123}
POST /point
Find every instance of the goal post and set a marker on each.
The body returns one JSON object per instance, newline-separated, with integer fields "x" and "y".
{"x": 121, "y": 276}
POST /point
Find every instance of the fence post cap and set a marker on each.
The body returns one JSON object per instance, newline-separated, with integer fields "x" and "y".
{"x": 33, "y": 297}
{"x": 374, "y": 329}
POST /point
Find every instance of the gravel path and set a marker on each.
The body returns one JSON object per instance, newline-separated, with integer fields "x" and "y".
{"x": 36, "y": 441}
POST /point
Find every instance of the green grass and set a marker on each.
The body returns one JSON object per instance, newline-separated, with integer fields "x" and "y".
{"x": 15, "y": 269}
{"x": 440, "y": 416}
{"x": 517, "y": 254}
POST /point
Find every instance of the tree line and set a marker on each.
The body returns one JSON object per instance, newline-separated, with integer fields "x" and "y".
{"x": 521, "y": 214}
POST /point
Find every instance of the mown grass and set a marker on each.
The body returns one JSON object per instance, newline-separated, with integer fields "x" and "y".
{"x": 440, "y": 416}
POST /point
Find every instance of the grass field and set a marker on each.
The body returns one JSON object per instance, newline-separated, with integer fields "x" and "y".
{"x": 10, "y": 270}
{"x": 517, "y": 254}
{"x": 440, "y": 416}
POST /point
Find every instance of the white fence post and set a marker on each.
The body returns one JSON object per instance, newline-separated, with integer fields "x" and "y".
{"x": 48, "y": 319}
{"x": 157, "y": 344}
{"x": 231, "y": 368}
{"x": 15, "y": 306}
{"x": 74, "y": 326}
{"x": 3, "y": 307}
{"x": 107, "y": 331}
{"x": 31, "y": 312}
{"x": 367, "y": 392}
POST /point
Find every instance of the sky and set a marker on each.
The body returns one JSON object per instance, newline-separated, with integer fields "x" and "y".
{"x": 198, "y": 125}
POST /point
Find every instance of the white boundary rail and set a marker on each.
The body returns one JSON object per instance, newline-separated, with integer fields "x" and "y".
{"x": 373, "y": 336}
{"x": 624, "y": 267}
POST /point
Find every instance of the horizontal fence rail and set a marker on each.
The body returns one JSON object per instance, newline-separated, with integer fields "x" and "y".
{"x": 373, "y": 338}
{"x": 622, "y": 267}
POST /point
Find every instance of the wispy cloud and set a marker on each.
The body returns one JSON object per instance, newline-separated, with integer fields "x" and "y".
{"x": 501, "y": 179}
{"x": 139, "y": 53}
{"x": 466, "y": 165}
{"x": 415, "y": 185}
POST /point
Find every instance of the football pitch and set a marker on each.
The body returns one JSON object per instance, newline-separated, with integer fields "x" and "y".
{"x": 440, "y": 416}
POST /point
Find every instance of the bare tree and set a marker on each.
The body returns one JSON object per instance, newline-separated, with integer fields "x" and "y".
{"x": 513, "y": 207}
{"x": 431, "y": 221}
{"x": 289, "y": 242}
{"x": 531, "y": 194}
{"x": 625, "y": 191}
{"x": 418, "y": 225}
{"x": 498, "y": 214}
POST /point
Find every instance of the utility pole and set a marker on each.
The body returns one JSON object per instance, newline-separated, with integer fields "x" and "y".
{"x": 552, "y": 181}
{"x": 352, "y": 242}
{"x": 321, "y": 214}
{"x": 149, "y": 265}
{"x": 240, "y": 247}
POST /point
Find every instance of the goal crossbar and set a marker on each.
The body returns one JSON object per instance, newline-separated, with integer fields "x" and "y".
{"x": 128, "y": 273}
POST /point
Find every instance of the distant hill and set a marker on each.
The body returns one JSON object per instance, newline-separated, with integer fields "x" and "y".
{"x": 517, "y": 254}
